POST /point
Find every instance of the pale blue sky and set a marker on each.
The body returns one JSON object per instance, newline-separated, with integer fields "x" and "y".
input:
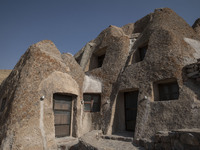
{"x": 70, "y": 24}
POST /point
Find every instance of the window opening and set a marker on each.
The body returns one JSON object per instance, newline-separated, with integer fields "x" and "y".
{"x": 100, "y": 60}
{"x": 97, "y": 58}
{"x": 142, "y": 52}
{"x": 168, "y": 91}
{"x": 92, "y": 102}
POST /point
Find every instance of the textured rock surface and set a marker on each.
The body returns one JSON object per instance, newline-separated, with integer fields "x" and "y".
{"x": 93, "y": 141}
{"x": 4, "y": 74}
{"x": 166, "y": 56}
{"x": 173, "y": 49}
{"x": 27, "y": 122}
{"x": 193, "y": 71}
{"x": 196, "y": 26}
{"x": 180, "y": 139}
{"x": 116, "y": 45}
{"x": 172, "y": 44}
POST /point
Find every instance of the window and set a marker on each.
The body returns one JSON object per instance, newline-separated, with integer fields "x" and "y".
{"x": 3, "y": 104}
{"x": 100, "y": 60}
{"x": 168, "y": 91}
{"x": 142, "y": 52}
{"x": 139, "y": 54}
{"x": 92, "y": 102}
{"x": 97, "y": 58}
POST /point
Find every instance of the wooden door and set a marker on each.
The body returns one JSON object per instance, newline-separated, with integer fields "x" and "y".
{"x": 62, "y": 114}
{"x": 130, "y": 99}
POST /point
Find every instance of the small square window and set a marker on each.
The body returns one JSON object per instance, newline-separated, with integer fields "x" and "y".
{"x": 92, "y": 102}
{"x": 168, "y": 91}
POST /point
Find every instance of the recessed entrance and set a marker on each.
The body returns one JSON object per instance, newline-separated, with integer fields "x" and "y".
{"x": 62, "y": 114}
{"x": 130, "y": 103}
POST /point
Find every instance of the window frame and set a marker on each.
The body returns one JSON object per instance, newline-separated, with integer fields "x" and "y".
{"x": 170, "y": 93}
{"x": 168, "y": 82}
{"x": 91, "y": 102}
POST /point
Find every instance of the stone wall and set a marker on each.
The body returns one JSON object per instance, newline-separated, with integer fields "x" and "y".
{"x": 177, "y": 140}
{"x": 4, "y": 74}
{"x": 193, "y": 71}
{"x": 196, "y": 26}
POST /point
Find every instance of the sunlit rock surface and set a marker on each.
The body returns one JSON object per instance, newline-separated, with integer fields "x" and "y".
{"x": 146, "y": 57}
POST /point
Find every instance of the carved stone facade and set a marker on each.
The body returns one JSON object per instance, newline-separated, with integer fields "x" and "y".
{"x": 131, "y": 79}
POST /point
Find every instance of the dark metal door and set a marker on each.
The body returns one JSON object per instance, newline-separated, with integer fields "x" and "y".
{"x": 62, "y": 114}
{"x": 130, "y": 99}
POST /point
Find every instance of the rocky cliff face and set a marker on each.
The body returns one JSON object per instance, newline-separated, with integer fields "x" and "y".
{"x": 26, "y": 120}
{"x": 168, "y": 52}
{"x": 171, "y": 44}
{"x": 140, "y": 56}
{"x": 4, "y": 74}
{"x": 196, "y": 26}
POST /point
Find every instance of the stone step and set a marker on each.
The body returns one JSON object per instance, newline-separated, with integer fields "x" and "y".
{"x": 116, "y": 137}
{"x": 94, "y": 140}
{"x": 66, "y": 143}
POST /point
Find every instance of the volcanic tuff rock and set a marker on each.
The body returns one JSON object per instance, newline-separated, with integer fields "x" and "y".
{"x": 110, "y": 65}
{"x": 36, "y": 74}
{"x": 4, "y": 74}
{"x": 196, "y": 26}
